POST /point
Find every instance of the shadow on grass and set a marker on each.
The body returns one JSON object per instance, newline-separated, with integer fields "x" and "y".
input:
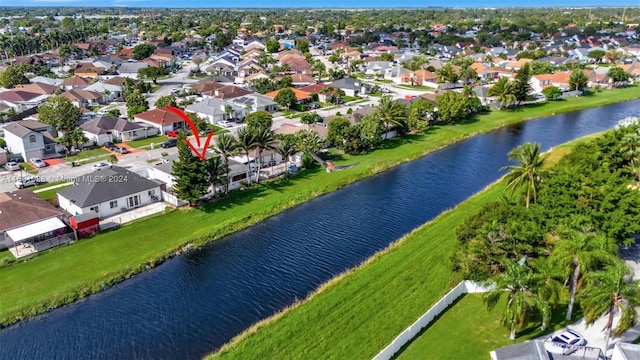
{"x": 244, "y": 196}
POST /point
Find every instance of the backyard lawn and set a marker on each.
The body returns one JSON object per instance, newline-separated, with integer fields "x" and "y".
{"x": 468, "y": 330}
{"x": 146, "y": 143}
{"x": 360, "y": 311}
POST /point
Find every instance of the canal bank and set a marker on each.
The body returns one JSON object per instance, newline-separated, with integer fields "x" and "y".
{"x": 311, "y": 184}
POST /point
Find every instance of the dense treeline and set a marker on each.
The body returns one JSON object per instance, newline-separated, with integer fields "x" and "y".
{"x": 560, "y": 234}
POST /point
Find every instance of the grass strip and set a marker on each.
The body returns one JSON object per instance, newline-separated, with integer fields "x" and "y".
{"x": 32, "y": 285}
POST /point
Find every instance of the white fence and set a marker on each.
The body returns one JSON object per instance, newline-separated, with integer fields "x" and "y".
{"x": 172, "y": 199}
{"x": 409, "y": 333}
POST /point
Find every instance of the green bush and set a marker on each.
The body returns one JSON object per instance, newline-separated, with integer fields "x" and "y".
{"x": 6, "y": 261}
{"x": 308, "y": 162}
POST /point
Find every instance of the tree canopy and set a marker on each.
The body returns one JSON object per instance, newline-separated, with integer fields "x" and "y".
{"x": 142, "y": 51}
{"x": 59, "y": 112}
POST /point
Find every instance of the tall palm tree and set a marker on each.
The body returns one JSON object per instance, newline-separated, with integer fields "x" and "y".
{"x": 610, "y": 292}
{"x": 630, "y": 147}
{"x": 286, "y": 148}
{"x": 246, "y": 142}
{"x": 216, "y": 170}
{"x": 225, "y": 146}
{"x": 504, "y": 91}
{"x": 548, "y": 287}
{"x": 576, "y": 254}
{"x": 529, "y": 172}
{"x": 393, "y": 114}
{"x": 519, "y": 281}
{"x": 263, "y": 140}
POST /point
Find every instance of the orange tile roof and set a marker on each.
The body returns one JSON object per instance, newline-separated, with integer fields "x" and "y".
{"x": 300, "y": 95}
{"x": 160, "y": 116}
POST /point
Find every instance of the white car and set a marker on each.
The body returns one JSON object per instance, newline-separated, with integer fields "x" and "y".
{"x": 565, "y": 343}
{"x": 100, "y": 166}
{"x": 37, "y": 162}
{"x": 12, "y": 166}
{"x": 27, "y": 181}
{"x": 225, "y": 123}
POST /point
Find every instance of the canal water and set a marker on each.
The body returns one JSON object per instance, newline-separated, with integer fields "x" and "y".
{"x": 194, "y": 303}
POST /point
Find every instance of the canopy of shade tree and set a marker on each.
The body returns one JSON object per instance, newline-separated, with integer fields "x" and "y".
{"x": 564, "y": 226}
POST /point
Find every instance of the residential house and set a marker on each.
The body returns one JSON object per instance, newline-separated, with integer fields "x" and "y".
{"x": 286, "y": 44}
{"x": 206, "y": 86}
{"x": 109, "y": 92}
{"x": 227, "y": 92}
{"x": 484, "y": 71}
{"x": 396, "y": 74}
{"x": 116, "y": 80}
{"x": 26, "y": 219}
{"x": 162, "y": 119}
{"x": 351, "y": 87}
{"x": 213, "y": 110}
{"x": 558, "y": 79}
{"x": 164, "y": 56}
{"x": 632, "y": 69}
{"x": 255, "y": 102}
{"x": 420, "y": 77}
{"x": 75, "y": 82}
{"x": 31, "y": 139}
{"x": 46, "y": 80}
{"x": 291, "y": 129}
{"x": 20, "y": 100}
{"x": 302, "y": 97}
{"x": 84, "y": 98}
{"x": 111, "y": 129}
{"x": 323, "y": 91}
{"x": 378, "y": 68}
{"x": 109, "y": 192}
{"x": 130, "y": 70}
{"x": 88, "y": 70}
{"x": 301, "y": 80}
{"x": 38, "y": 88}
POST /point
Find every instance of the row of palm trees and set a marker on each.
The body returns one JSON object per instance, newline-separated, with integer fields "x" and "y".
{"x": 248, "y": 139}
{"x": 22, "y": 44}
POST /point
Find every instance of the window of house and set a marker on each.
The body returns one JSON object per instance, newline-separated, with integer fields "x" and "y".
{"x": 113, "y": 204}
{"x": 151, "y": 192}
{"x": 95, "y": 208}
{"x": 133, "y": 201}
{"x": 32, "y": 138}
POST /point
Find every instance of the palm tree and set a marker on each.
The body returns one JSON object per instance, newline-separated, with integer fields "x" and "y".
{"x": 548, "y": 287}
{"x": 504, "y": 91}
{"x": 263, "y": 140}
{"x": 246, "y": 142}
{"x": 216, "y": 170}
{"x": 578, "y": 80}
{"x": 577, "y": 253}
{"x": 529, "y": 172}
{"x": 610, "y": 292}
{"x": 286, "y": 148}
{"x": 630, "y": 147}
{"x": 519, "y": 281}
{"x": 226, "y": 146}
{"x": 393, "y": 114}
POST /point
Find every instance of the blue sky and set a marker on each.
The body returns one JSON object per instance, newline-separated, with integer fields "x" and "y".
{"x": 324, "y": 3}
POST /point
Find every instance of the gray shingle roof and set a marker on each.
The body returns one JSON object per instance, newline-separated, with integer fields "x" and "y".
{"x": 104, "y": 124}
{"x": 17, "y": 130}
{"x": 106, "y": 185}
{"x": 346, "y": 83}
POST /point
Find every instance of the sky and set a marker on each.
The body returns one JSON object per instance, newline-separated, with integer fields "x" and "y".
{"x": 321, "y": 3}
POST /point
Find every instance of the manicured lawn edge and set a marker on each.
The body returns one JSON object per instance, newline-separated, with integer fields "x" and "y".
{"x": 19, "y": 304}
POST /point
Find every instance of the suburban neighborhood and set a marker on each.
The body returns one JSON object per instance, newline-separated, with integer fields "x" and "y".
{"x": 102, "y": 129}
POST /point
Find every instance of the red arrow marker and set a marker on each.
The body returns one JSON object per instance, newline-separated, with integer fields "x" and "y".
{"x": 194, "y": 129}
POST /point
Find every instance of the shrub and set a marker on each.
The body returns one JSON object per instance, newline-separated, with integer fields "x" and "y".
{"x": 308, "y": 162}
{"x": 349, "y": 111}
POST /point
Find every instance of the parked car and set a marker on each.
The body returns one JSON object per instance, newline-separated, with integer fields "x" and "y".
{"x": 12, "y": 166}
{"x": 37, "y": 162}
{"x": 121, "y": 150}
{"x": 28, "y": 181}
{"x": 169, "y": 143}
{"x": 109, "y": 145}
{"x": 100, "y": 166}
{"x": 225, "y": 123}
{"x": 172, "y": 133}
{"x": 565, "y": 343}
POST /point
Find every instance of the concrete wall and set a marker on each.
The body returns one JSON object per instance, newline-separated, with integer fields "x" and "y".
{"x": 409, "y": 333}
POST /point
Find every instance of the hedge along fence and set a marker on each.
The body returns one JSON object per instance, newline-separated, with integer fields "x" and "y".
{"x": 464, "y": 287}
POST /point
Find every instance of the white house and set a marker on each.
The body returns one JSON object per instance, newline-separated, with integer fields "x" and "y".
{"x": 31, "y": 139}
{"x": 211, "y": 109}
{"x": 107, "y": 128}
{"x": 109, "y": 192}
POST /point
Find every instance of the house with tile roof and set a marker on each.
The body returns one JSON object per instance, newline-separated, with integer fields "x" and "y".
{"x": 75, "y": 82}
{"x": 162, "y": 119}
{"x": 20, "y": 100}
{"x": 84, "y": 98}
{"x": 27, "y": 219}
{"x": 227, "y": 92}
{"x": 302, "y": 97}
{"x": 108, "y": 192}
{"x": 39, "y": 88}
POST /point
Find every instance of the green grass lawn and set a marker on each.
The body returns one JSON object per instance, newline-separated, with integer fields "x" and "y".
{"x": 416, "y": 87}
{"x": 33, "y": 286}
{"x": 468, "y": 330}
{"x": 146, "y": 143}
{"x": 51, "y": 194}
{"x": 87, "y": 154}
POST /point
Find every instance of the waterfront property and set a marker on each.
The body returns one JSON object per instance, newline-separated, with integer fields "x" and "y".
{"x": 108, "y": 192}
